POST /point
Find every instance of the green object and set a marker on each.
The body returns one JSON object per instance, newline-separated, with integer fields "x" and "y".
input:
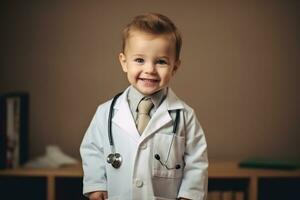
{"x": 270, "y": 164}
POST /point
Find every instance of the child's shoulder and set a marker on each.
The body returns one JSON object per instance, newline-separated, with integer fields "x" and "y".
{"x": 103, "y": 107}
{"x": 172, "y": 96}
{"x": 189, "y": 114}
{"x": 187, "y": 109}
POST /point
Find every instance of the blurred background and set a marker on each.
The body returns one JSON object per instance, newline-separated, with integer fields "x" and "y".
{"x": 240, "y": 69}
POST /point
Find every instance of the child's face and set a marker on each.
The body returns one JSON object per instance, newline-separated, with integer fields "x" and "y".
{"x": 149, "y": 61}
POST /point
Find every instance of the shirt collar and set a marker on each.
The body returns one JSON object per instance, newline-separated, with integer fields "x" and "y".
{"x": 134, "y": 97}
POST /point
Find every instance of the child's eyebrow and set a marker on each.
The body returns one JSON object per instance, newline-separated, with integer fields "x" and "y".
{"x": 165, "y": 57}
{"x": 158, "y": 57}
{"x": 138, "y": 55}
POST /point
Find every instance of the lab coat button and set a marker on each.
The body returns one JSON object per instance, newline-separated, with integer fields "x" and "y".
{"x": 143, "y": 146}
{"x": 138, "y": 183}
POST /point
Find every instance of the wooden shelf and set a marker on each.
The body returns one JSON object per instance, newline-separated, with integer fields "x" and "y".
{"x": 217, "y": 170}
{"x": 70, "y": 171}
{"x": 49, "y": 174}
{"x": 231, "y": 170}
{"x": 227, "y": 169}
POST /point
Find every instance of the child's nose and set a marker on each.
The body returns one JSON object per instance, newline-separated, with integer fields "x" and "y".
{"x": 150, "y": 68}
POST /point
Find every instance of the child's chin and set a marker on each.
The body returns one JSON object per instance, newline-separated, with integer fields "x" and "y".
{"x": 147, "y": 91}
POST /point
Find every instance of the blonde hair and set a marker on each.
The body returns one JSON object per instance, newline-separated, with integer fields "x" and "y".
{"x": 156, "y": 24}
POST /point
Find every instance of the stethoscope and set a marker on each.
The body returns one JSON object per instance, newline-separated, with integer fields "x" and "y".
{"x": 115, "y": 159}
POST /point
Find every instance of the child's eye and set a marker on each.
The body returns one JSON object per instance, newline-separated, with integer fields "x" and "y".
{"x": 162, "y": 62}
{"x": 139, "y": 60}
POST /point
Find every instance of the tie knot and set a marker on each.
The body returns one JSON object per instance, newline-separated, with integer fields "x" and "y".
{"x": 145, "y": 106}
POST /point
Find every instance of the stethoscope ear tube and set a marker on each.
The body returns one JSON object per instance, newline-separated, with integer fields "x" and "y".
{"x": 157, "y": 157}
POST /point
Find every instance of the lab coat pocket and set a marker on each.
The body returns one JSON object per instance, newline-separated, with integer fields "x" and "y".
{"x": 168, "y": 152}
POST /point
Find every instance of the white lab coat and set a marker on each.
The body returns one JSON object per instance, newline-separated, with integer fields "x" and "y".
{"x": 141, "y": 176}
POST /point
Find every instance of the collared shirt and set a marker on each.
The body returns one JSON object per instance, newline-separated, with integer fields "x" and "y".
{"x": 134, "y": 97}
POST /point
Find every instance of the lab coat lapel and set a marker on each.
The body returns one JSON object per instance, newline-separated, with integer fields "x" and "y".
{"x": 123, "y": 117}
{"x": 162, "y": 116}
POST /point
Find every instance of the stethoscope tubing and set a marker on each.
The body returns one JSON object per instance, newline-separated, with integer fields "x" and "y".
{"x": 110, "y": 138}
{"x": 117, "y": 160}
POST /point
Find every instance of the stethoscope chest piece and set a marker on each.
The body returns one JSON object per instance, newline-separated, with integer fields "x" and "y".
{"x": 115, "y": 160}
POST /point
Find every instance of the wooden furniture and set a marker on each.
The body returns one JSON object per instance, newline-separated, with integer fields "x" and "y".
{"x": 227, "y": 172}
{"x": 50, "y": 175}
{"x": 254, "y": 178}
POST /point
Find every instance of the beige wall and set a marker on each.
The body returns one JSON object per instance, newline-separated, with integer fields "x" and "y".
{"x": 240, "y": 69}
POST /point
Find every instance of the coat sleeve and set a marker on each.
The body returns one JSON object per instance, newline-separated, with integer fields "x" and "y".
{"x": 195, "y": 175}
{"x": 93, "y": 159}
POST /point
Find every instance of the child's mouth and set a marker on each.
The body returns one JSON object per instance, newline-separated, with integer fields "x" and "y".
{"x": 147, "y": 80}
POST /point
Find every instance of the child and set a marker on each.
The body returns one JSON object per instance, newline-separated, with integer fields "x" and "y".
{"x": 146, "y": 143}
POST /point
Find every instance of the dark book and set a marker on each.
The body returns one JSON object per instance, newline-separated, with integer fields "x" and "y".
{"x": 270, "y": 164}
{"x": 14, "y": 121}
{"x": 24, "y": 128}
{"x": 2, "y": 132}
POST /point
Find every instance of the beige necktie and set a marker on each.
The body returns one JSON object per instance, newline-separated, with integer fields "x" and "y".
{"x": 144, "y": 108}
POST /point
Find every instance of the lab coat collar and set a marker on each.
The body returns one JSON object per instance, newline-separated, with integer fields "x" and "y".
{"x": 124, "y": 119}
{"x": 162, "y": 115}
{"x": 172, "y": 101}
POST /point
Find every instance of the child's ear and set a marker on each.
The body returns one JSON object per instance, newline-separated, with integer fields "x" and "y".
{"x": 176, "y": 66}
{"x": 122, "y": 59}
